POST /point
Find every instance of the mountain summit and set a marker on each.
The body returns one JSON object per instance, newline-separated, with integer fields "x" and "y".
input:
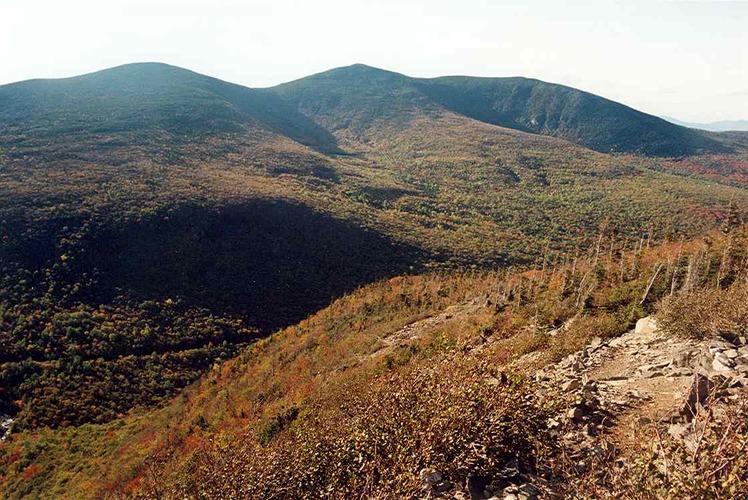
{"x": 359, "y": 96}
{"x": 146, "y": 97}
{"x": 357, "y": 99}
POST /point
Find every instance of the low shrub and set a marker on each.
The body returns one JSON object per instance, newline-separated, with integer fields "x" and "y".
{"x": 708, "y": 312}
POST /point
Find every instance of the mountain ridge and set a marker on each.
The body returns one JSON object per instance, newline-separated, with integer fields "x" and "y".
{"x": 142, "y": 96}
{"x": 155, "y": 223}
{"x": 717, "y": 126}
{"x": 311, "y": 109}
{"x": 520, "y": 103}
{"x": 145, "y": 194}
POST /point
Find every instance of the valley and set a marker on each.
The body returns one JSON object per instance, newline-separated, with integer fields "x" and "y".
{"x": 198, "y": 276}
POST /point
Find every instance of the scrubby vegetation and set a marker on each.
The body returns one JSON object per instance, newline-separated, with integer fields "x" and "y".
{"x": 707, "y": 313}
{"x": 444, "y": 400}
{"x": 365, "y": 439}
{"x": 289, "y": 403}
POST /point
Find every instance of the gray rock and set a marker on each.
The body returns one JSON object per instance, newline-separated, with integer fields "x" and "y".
{"x": 429, "y": 477}
{"x": 646, "y": 325}
{"x": 618, "y": 341}
{"x": 681, "y": 372}
{"x": 681, "y": 360}
{"x": 571, "y": 385}
{"x": 658, "y": 364}
{"x": 732, "y": 353}
{"x": 722, "y": 363}
{"x": 652, "y": 373}
{"x": 639, "y": 395}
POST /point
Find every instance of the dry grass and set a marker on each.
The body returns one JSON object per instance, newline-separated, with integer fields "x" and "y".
{"x": 370, "y": 438}
{"x": 707, "y": 313}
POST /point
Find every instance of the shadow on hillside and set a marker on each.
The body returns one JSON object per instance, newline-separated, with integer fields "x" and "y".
{"x": 274, "y": 262}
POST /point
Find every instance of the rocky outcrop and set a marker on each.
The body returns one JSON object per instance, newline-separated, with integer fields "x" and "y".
{"x": 6, "y": 422}
{"x": 642, "y": 377}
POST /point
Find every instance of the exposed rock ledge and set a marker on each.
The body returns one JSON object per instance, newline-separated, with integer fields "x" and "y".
{"x": 610, "y": 387}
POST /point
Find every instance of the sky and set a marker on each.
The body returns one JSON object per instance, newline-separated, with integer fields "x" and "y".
{"x": 686, "y": 59}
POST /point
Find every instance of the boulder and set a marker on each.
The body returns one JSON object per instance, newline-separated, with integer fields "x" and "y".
{"x": 646, "y": 326}
{"x": 722, "y": 363}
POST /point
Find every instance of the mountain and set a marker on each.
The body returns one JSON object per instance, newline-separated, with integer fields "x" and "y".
{"x": 147, "y": 97}
{"x": 143, "y": 97}
{"x": 154, "y": 221}
{"x": 359, "y": 95}
{"x": 719, "y": 126}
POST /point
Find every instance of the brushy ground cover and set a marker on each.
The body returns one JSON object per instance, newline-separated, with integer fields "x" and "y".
{"x": 444, "y": 403}
{"x": 310, "y": 392}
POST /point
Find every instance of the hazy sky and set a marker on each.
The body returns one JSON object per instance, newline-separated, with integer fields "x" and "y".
{"x": 687, "y": 59}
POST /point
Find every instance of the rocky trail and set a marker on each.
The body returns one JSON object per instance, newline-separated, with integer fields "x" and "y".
{"x": 643, "y": 377}
{"x": 418, "y": 329}
{"x": 613, "y": 388}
